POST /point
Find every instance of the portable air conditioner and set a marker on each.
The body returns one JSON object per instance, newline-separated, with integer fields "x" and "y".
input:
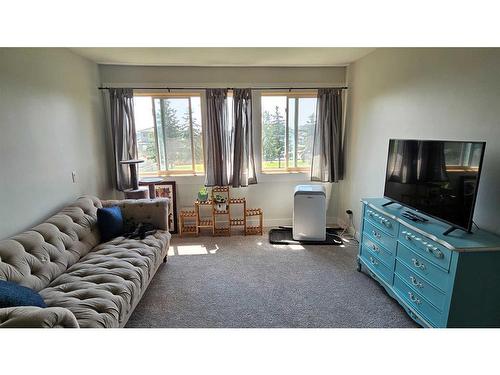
{"x": 309, "y": 213}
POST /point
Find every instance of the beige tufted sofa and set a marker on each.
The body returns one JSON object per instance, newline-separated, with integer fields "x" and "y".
{"x": 84, "y": 283}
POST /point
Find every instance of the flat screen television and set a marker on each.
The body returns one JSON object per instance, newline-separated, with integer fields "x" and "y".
{"x": 437, "y": 178}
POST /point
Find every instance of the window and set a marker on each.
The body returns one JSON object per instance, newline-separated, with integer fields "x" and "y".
{"x": 169, "y": 133}
{"x": 463, "y": 155}
{"x": 288, "y": 122}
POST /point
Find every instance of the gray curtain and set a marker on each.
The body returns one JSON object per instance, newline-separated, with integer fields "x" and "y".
{"x": 217, "y": 139}
{"x": 413, "y": 162}
{"x": 243, "y": 163}
{"x": 121, "y": 103}
{"x": 403, "y": 162}
{"x": 431, "y": 164}
{"x": 327, "y": 156}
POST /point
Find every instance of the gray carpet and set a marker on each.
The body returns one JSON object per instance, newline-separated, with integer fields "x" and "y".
{"x": 243, "y": 281}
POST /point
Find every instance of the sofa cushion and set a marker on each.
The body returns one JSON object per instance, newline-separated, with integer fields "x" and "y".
{"x": 36, "y": 257}
{"x": 105, "y": 285}
{"x": 12, "y": 295}
{"x": 135, "y": 211}
{"x": 110, "y": 222}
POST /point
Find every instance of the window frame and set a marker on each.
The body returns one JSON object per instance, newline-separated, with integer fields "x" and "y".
{"x": 176, "y": 95}
{"x": 288, "y": 94}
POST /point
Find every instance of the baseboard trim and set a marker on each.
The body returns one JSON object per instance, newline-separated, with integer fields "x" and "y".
{"x": 330, "y": 221}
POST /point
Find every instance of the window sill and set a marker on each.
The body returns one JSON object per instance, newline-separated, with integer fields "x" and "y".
{"x": 283, "y": 172}
{"x": 171, "y": 175}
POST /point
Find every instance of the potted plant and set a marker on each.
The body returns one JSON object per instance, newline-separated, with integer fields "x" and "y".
{"x": 220, "y": 203}
{"x": 203, "y": 194}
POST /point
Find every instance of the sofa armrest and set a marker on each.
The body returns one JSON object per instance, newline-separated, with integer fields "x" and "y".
{"x": 37, "y": 317}
{"x": 154, "y": 211}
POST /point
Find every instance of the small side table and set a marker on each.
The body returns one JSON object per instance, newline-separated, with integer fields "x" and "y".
{"x": 141, "y": 193}
{"x": 136, "y": 192}
{"x": 188, "y": 227}
{"x": 150, "y": 182}
{"x": 133, "y": 171}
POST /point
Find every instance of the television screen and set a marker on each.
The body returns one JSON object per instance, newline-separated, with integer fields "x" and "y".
{"x": 438, "y": 178}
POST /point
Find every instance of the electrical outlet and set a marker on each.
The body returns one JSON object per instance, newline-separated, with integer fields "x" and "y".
{"x": 73, "y": 176}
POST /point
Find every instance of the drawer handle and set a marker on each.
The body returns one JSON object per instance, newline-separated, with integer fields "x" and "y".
{"x": 413, "y": 298}
{"x": 433, "y": 250}
{"x": 376, "y": 234}
{"x": 386, "y": 222}
{"x": 437, "y": 253}
{"x": 375, "y": 248}
{"x": 411, "y": 237}
{"x": 382, "y": 220}
{"x": 428, "y": 247}
{"x": 418, "y": 264}
{"x": 373, "y": 261}
{"x": 415, "y": 282}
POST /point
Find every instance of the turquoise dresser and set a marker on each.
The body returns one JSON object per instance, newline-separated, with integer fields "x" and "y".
{"x": 441, "y": 281}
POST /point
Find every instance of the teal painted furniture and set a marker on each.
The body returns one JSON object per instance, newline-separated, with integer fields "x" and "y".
{"x": 441, "y": 281}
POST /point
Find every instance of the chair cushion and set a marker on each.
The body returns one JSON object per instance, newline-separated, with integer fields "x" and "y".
{"x": 12, "y": 295}
{"x": 110, "y": 222}
{"x": 103, "y": 287}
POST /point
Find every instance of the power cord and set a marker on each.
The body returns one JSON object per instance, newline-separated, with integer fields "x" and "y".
{"x": 348, "y": 226}
{"x": 473, "y": 222}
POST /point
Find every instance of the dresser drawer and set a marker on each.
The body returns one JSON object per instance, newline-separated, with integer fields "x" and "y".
{"x": 380, "y": 236}
{"x": 376, "y": 265}
{"x": 426, "y": 247}
{"x": 382, "y": 221}
{"x": 417, "y": 302}
{"x": 432, "y": 294}
{"x": 422, "y": 267}
{"x": 385, "y": 255}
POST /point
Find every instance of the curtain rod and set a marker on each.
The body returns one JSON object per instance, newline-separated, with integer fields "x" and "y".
{"x": 229, "y": 88}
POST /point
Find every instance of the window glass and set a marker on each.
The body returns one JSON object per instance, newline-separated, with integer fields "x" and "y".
{"x": 475, "y": 157}
{"x": 453, "y": 153}
{"x": 145, "y": 132}
{"x": 288, "y": 123}
{"x": 197, "y": 140}
{"x": 305, "y": 131}
{"x": 169, "y": 134}
{"x": 273, "y": 132}
{"x": 292, "y": 149}
{"x": 463, "y": 154}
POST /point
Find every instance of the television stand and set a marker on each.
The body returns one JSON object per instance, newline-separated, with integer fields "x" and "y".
{"x": 434, "y": 277}
{"x": 449, "y": 230}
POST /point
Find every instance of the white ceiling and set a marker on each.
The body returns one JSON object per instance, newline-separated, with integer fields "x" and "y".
{"x": 300, "y": 56}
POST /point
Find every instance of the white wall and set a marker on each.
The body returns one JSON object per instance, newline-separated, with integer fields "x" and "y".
{"x": 185, "y": 76}
{"x": 273, "y": 193}
{"x": 422, "y": 93}
{"x": 51, "y": 123}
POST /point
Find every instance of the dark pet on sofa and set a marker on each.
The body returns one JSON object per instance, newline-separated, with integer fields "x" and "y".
{"x": 141, "y": 230}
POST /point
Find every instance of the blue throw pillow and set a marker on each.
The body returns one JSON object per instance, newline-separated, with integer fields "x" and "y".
{"x": 110, "y": 222}
{"x": 12, "y": 295}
